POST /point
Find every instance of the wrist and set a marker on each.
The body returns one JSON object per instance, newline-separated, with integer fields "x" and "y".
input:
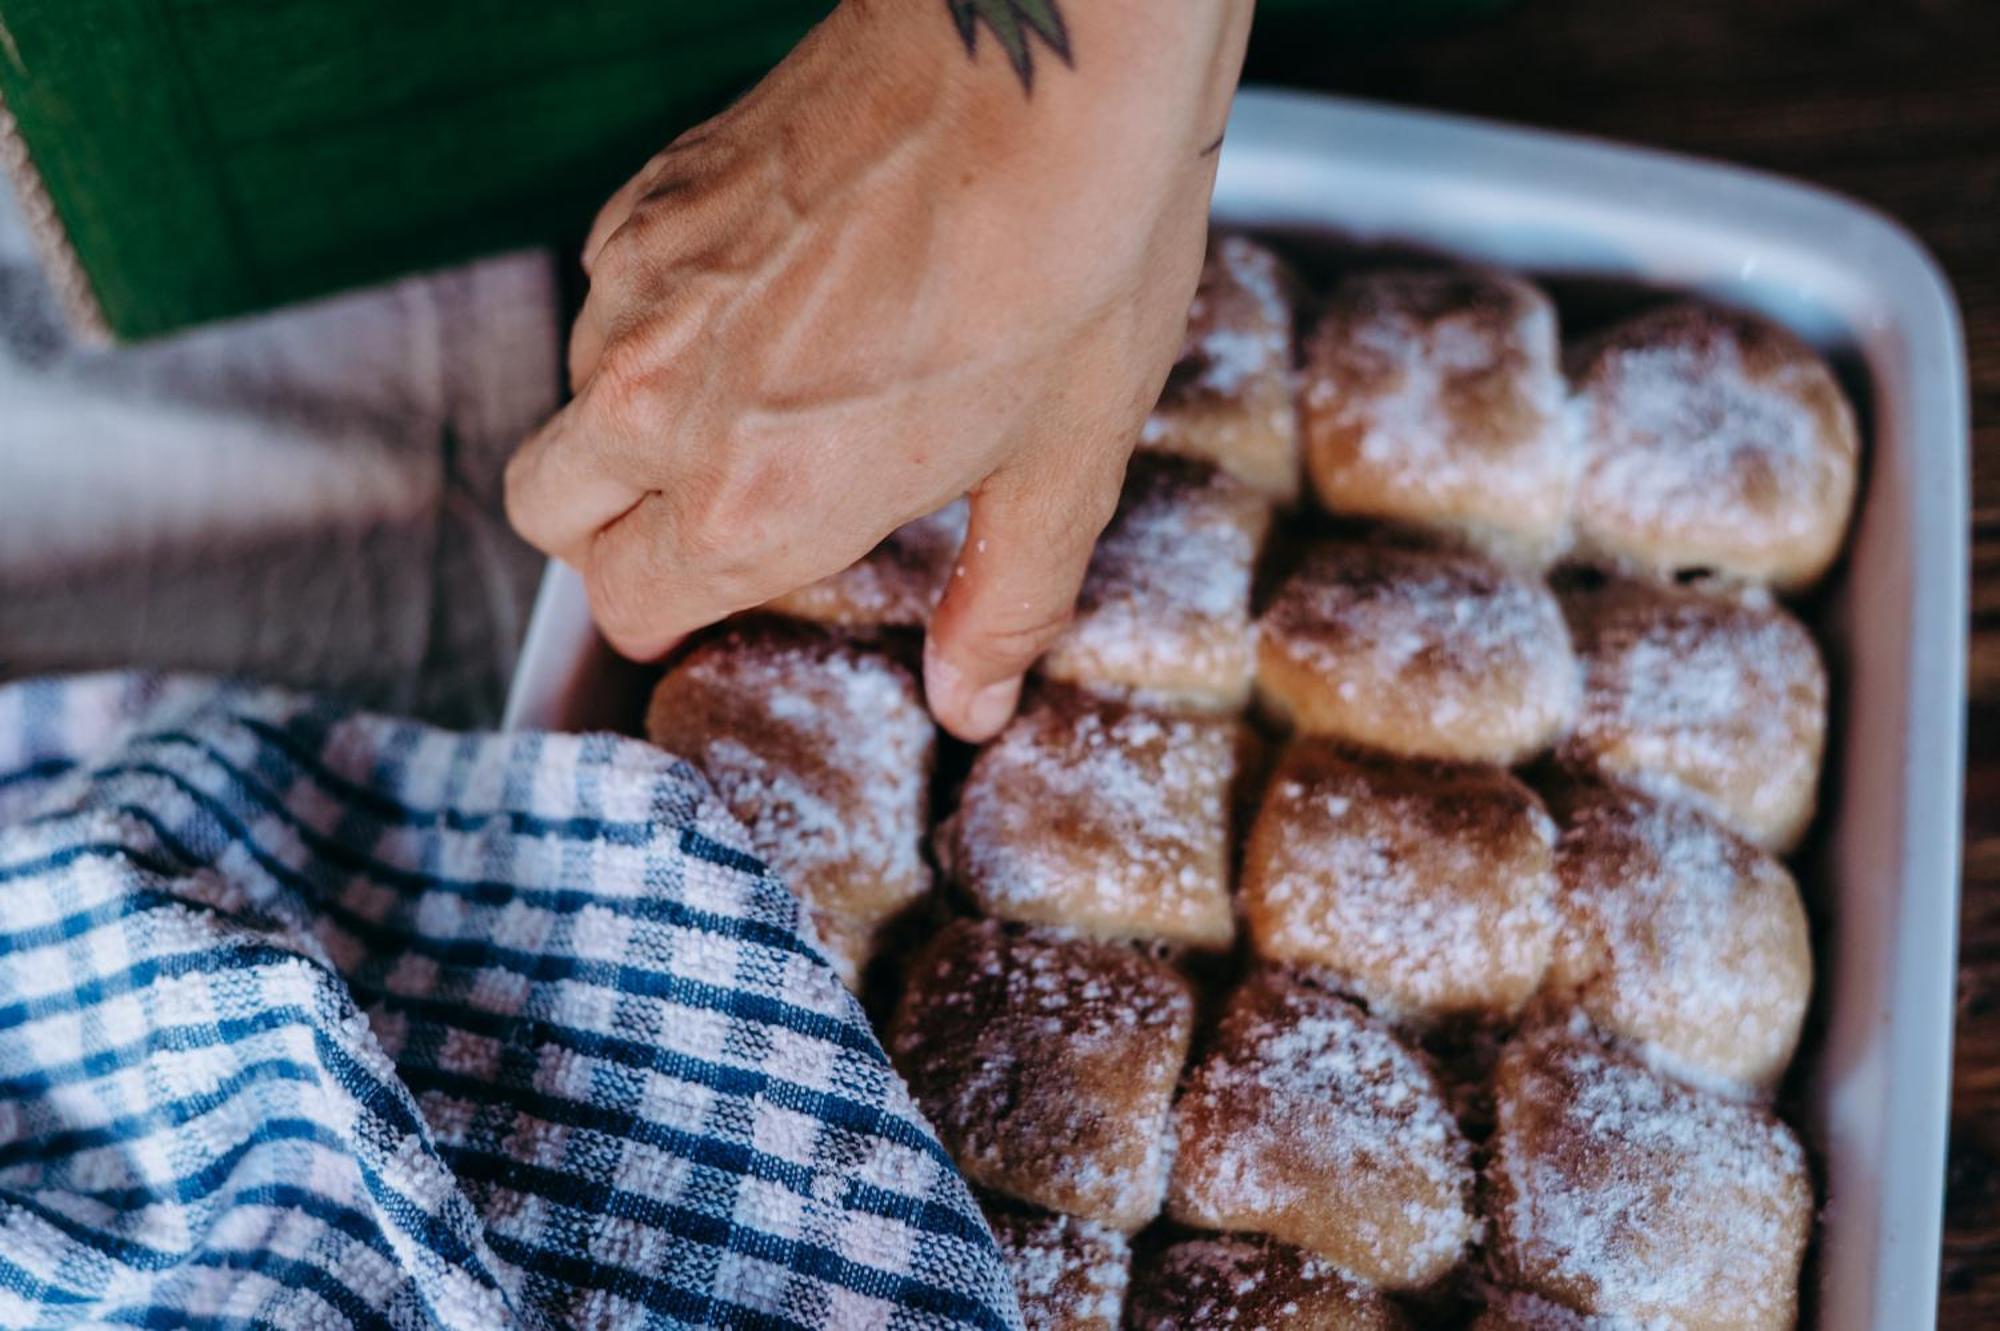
{"x": 1139, "y": 70}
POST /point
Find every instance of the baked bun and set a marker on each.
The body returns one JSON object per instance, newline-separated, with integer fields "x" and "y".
{"x": 1103, "y": 818}
{"x": 1308, "y": 1121}
{"x": 849, "y": 944}
{"x": 1070, "y": 1274}
{"x": 821, "y": 748}
{"x": 1620, "y": 1194}
{"x": 1231, "y": 397}
{"x": 1435, "y": 399}
{"x": 1717, "y": 699}
{"x": 1422, "y": 653}
{"x": 1511, "y": 1310}
{"x": 1679, "y": 937}
{"x": 1712, "y": 440}
{"x": 1047, "y": 1064}
{"x": 1423, "y": 888}
{"x": 1164, "y": 613}
{"x": 895, "y": 585}
{"x": 1252, "y": 1284}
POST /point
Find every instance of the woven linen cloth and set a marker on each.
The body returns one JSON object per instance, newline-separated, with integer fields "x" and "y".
{"x": 316, "y": 1019}
{"x": 310, "y": 498}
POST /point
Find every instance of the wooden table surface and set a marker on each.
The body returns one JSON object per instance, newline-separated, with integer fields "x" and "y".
{"x": 1896, "y": 102}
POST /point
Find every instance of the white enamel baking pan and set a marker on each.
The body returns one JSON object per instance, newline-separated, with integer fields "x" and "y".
{"x": 1884, "y": 885}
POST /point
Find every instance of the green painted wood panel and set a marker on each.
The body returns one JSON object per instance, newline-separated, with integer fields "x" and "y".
{"x": 211, "y": 157}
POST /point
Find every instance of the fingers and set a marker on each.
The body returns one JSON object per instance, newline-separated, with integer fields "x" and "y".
{"x": 586, "y": 346}
{"x": 648, "y": 588}
{"x": 574, "y": 477}
{"x": 613, "y": 215}
{"x": 1026, "y": 549}
{"x": 666, "y": 568}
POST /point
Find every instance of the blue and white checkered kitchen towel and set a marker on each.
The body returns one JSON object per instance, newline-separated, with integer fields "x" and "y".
{"x": 310, "y": 1019}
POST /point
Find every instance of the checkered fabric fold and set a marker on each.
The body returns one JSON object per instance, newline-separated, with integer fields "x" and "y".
{"x": 310, "y": 1019}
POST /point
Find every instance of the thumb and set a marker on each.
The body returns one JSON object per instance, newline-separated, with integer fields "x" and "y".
{"x": 1027, "y": 545}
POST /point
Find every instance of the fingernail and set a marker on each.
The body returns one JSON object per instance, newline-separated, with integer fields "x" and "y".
{"x": 991, "y": 708}
{"x": 980, "y": 712}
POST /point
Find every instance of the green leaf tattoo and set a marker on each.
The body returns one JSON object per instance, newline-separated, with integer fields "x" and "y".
{"x": 1015, "y": 24}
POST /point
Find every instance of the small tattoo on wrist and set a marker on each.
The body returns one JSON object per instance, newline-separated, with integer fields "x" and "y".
{"x": 1014, "y": 24}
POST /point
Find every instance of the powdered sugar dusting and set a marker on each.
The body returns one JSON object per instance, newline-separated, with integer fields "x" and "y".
{"x": 1625, "y": 1194}
{"x": 1515, "y": 1311}
{"x": 1681, "y": 937}
{"x": 1705, "y": 697}
{"x": 896, "y": 585}
{"x": 1427, "y": 890}
{"x": 1101, "y": 817}
{"x": 1429, "y": 652}
{"x": 1240, "y": 324}
{"x": 1712, "y": 439}
{"x": 1165, "y": 607}
{"x": 1310, "y": 1122}
{"x": 1071, "y": 1274}
{"x": 822, "y": 749}
{"x": 1435, "y": 397}
{"x": 1229, "y": 398}
{"x": 1046, "y": 1065}
{"x": 1250, "y": 1284}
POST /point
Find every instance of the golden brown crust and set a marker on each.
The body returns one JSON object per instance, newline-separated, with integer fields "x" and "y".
{"x": 1104, "y": 818}
{"x": 1423, "y": 653}
{"x": 1230, "y": 399}
{"x": 1715, "y": 698}
{"x": 1679, "y": 937}
{"x": 1070, "y": 1274}
{"x": 895, "y": 585}
{"x": 821, "y": 748}
{"x": 1236, "y": 1283}
{"x": 1047, "y": 1064}
{"x": 849, "y": 944}
{"x": 1308, "y": 1121}
{"x": 1434, "y": 398}
{"x": 1164, "y": 613}
{"x": 1712, "y": 440}
{"x": 1617, "y": 1193}
{"x": 1426, "y": 889}
{"x": 1515, "y": 1311}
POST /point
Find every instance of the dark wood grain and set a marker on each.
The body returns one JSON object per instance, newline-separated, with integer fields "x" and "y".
{"x": 1896, "y": 102}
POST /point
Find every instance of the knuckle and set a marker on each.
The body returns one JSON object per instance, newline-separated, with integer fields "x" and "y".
{"x": 521, "y": 497}
{"x": 646, "y": 241}
{"x": 582, "y": 357}
{"x": 628, "y": 381}
{"x": 514, "y": 491}
{"x": 736, "y": 517}
{"x": 623, "y": 252}
{"x": 642, "y": 366}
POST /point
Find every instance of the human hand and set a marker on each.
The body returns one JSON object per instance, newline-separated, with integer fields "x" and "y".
{"x": 889, "y": 276}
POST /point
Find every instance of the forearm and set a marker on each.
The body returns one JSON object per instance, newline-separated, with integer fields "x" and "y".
{"x": 1139, "y": 50}
{"x": 1028, "y": 88}
{"x": 886, "y": 100}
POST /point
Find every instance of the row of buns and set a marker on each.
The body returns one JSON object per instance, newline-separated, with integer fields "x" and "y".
{"x": 1200, "y": 959}
{"x": 1686, "y": 437}
{"x": 1306, "y": 1135}
{"x": 1053, "y": 1043}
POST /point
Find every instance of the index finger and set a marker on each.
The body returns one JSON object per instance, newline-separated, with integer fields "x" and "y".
{"x": 573, "y": 478}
